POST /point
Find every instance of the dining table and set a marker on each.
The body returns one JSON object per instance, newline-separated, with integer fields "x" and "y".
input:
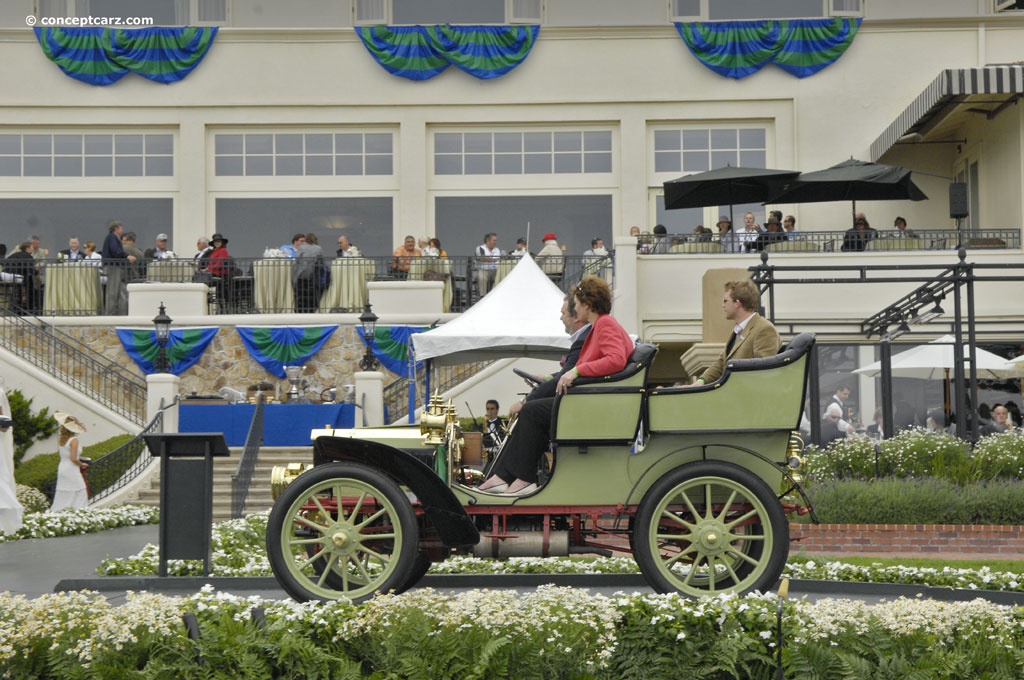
{"x": 505, "y": 265}
{"x": 171, "y": 271}
{"x": 434, "y": 269}
{"x": 72, "y": 288}
{"x": 272, "y": 286}
{"x": 348, "y": 284}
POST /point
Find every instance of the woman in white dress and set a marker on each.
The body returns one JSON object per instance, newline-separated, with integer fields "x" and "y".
{"x": 10, "y": 509}
{"x": 71, "y": 491}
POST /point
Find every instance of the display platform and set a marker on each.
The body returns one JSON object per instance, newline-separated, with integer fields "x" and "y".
{"x": 283, "y": 424}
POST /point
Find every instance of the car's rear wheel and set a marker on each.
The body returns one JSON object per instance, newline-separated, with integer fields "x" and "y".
{"x": 342, "y": 530}
{"x": 710, "y": 527}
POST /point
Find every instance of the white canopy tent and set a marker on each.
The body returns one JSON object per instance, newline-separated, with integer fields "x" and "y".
{"x": 519, "y": 317}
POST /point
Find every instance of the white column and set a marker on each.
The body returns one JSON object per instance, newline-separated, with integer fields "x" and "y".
{"x": 625, "y": 306}
{"x": 369, "y": 398}
{"x": 162, "y": 386}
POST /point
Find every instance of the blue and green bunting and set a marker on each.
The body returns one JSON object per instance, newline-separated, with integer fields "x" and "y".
{"x": 279, "y": 346}
{"x": 801, "y": 47}
{"x": 421, "y": 52}
{"x": 102, "y": 56}
{"x": 391, "y": 346}
{"x": 184, "y": 346}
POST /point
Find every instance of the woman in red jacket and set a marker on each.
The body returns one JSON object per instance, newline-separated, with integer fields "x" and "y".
{"x": 606, "y": 351}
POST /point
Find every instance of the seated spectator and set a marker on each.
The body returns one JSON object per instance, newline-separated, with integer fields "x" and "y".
{"x": 345, "y": 248}
{"x": 773, "y": 234}
{"x": 203, "y": 250}
{"x": 662, "y": 243}
{"x": 832, "y": 425}
{"x": 857, "y": 239}
{"x": 701, "y": 234}
{"x": 160, "y": 252}
{"x": 751, "y": 229}
{"x": 435, "y": 243}
{"x": 597, "y": 248}
{"x": 521, "y": 248}
{"x": 21, "y": 265}
{"x": 428, "y": 249}
{"x": 789, "y": 226}
{"x": 95, "y": 259}
{"x": 876, "y": 430}
{"x": 291, "y": 249}
{"x": 729, "y": 239}
{"x": 901, "y": 229}
{"x": 936, "y": 422}
{"x": 550, "y": 257}
{"x": 219, "y": 262}
{"x": 72, "y": 253}
{"x": 403, "y": 255}
{"x": 1001, "y": 421}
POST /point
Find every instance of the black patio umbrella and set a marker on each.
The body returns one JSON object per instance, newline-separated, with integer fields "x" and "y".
{"x": 730, "y": 185}
{"x": 851, "y": 180}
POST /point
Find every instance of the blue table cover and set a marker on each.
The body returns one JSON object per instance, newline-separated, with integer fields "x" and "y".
{"x": 283, "y": 424}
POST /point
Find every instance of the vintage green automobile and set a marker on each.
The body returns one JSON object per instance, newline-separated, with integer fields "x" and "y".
{"x": 695, "y": 482}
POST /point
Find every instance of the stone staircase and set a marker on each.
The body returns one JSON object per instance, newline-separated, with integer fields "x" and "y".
{"x": 259, "y": 492}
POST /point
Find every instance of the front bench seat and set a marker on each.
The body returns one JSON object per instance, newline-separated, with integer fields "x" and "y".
{"x": 607, "y": 409}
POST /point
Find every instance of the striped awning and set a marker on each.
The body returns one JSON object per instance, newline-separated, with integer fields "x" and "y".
{"x": 951, "y": 88}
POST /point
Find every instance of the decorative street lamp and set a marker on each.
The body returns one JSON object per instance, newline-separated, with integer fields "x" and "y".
{"x": 162, "y": 323}
{"x": 368, "y": 320}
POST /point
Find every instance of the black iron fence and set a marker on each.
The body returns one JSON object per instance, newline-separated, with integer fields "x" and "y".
{"x": 396, "y": 393}
{"x": 272, "y": 285}
{"x": 75, "y": 363}
{"x": 829, "y": 241}
{"x": 241, "y": 480}
{"x": 121, "y": 466}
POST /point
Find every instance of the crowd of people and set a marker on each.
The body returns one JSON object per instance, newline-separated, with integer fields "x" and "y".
{"x": 755, "y": 237}
{"x": 840, "y": 419}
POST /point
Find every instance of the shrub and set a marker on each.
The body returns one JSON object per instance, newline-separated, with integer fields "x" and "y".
{"x": 917, "y": 501}
{"x": 999, "y": 455}
{"x": 28, "y": 427}
{"x": 914, "y": 452}
{"x": 32, "y": 499}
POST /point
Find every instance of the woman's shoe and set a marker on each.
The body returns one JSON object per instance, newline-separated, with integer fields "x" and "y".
{"x": 526, "y": 490}
{"x": 497, "y": 488}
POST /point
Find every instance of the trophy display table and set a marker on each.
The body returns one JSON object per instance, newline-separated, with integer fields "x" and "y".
{"x": 283, "y": 424}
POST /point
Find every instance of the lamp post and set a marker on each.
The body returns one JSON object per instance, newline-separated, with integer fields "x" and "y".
{"x": 162, "y": 323}
{"x": 368, "y": 320}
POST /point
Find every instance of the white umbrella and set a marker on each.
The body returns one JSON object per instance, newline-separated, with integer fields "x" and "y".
{"x": 935, "y": 360}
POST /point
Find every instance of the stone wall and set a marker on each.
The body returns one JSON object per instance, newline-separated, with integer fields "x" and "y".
{"x": 227, "y": 363}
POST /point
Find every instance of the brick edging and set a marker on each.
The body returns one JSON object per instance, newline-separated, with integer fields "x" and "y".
{"x": 924, "y": 538}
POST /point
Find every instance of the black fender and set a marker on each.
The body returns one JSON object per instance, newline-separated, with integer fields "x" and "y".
{"x": 449, "y": 517}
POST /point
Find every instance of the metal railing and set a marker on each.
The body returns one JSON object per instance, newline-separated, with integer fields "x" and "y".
{"x": 121, "y": 466}
{"x": 271, "y": 285}
{"x": 75, "y": 363}
{"x": 396, "y": 393}
{"x": 830, "y": 241}
{"x": 241, "y": 480}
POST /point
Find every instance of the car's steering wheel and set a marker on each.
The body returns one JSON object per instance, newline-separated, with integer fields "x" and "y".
{"x": 529, "y": 377}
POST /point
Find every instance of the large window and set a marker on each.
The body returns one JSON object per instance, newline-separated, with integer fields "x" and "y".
{"x": 254, "y": 224}
{"x": 55, "y": 220}
{"x": 523, "y": 153}
{"x": 161, "y": 12}
{"x": 699, "y": 149}
{"x": 283, "y": 154}
{"x": 46, "y": 154}
{"x": 575, "y": 220}
{"x": 743, "y": 10}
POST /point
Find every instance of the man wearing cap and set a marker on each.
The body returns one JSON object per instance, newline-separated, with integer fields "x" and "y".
{"x": 550, "y": 257}
{"x": 597, "y": 248}
{"x": 521, "y": 248}
{"x": 160, "y": 252}
{"x": 729, "y": 239}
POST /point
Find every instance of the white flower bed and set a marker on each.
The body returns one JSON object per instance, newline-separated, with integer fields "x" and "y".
{"x": 85, "y": 521}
